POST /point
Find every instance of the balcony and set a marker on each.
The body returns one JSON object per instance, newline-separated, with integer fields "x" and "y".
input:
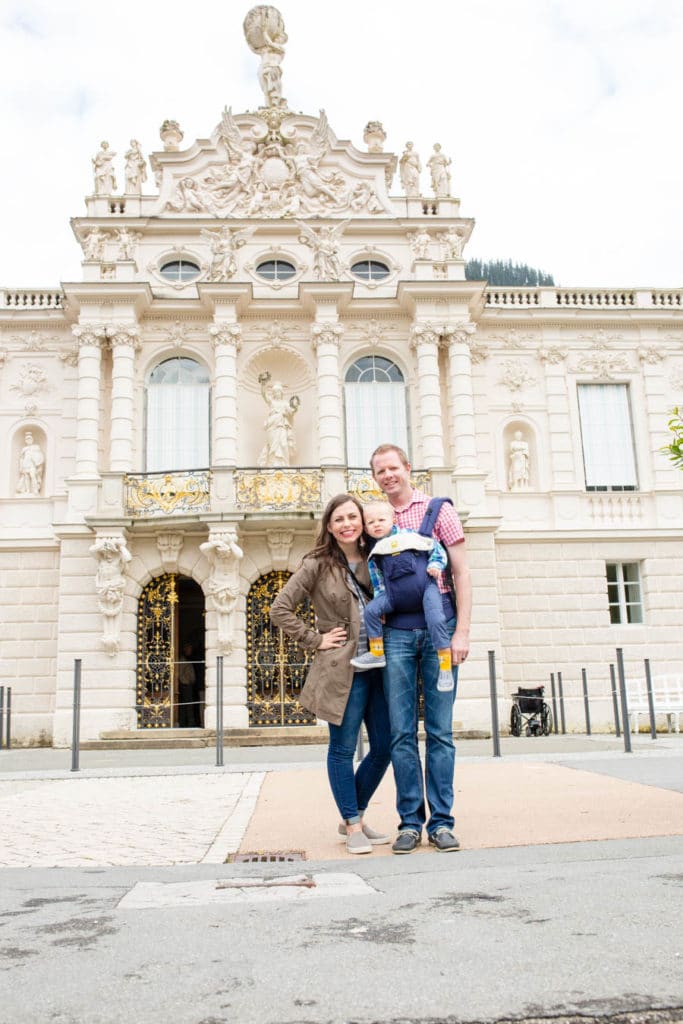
{"x": 297, "y": 489}
{"x": 147, "y": 495}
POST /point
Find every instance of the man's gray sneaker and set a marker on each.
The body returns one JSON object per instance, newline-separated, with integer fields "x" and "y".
{"x": 368, "y": 660}
{"x": 406, "y": 842}
{"x": 444, "y": 840}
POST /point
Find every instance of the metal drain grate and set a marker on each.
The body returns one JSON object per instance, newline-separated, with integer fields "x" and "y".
{"x": 272, "y": 857}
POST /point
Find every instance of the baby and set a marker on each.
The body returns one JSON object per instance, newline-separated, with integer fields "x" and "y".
{"x": 378, "y": 517}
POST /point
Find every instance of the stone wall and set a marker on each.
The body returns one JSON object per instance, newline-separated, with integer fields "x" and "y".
{"x": 29, "y": 586}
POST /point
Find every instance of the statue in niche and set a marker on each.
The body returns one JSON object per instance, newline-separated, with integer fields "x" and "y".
{"x": 518, "y": 472}
{"x": 265, "y": 33}
{"x": 419, "y": 244}
{"x": 280, "y": 445}
{"x": 135, "y": 169}
{"x": 453, "y": 241}
{"x": 409, "y": 170}
{"x": 112, "y": 556}
{"x": 31, "y": 467}
{"x": 127, "y": 240}
{"x": 93, "y": 245}
{"x": 223, "y": 554}
{"x": 327, "y": 263}
{"x": 438, "y": 165}
{"x": 223, "y": 244}
{"x": 105, "y": 180}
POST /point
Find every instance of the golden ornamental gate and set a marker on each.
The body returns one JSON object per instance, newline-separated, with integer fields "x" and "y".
{"x": 276, "y": 665}
{"x": 156, "y": 648}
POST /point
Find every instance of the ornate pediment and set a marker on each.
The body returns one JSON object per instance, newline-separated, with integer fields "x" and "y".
{"x": 272, "y": 164}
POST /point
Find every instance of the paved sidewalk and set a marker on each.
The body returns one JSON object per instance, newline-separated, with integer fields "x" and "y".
{"x": 571, "y": 790}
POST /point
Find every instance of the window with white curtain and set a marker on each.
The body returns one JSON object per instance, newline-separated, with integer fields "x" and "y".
{"x": 375, "y": 404}
{"x": 177, "y": 416}
{"x": 607, "y": 437}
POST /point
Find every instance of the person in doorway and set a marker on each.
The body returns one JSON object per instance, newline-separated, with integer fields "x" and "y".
{"x": 404, "y": 581}
{"x": 187, "y": 690}
{"x": 408, "y": 647}
{"x": 334, "y": 575}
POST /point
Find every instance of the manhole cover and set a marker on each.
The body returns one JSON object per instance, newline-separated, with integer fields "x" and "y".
{"x": 272, "y": 857}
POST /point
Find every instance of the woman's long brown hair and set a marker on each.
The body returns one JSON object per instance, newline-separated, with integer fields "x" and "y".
{"x": 326, "y": 549}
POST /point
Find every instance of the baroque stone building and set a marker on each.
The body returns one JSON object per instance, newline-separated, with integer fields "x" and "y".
{"x": 243, "y": 336}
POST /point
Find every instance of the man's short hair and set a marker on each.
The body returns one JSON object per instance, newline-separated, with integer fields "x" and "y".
{"x": 384, "y": 448}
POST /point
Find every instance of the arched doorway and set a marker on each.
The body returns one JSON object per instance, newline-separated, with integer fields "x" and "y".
{"x": 276, "y": 665}
{"x": 170, "y": 654}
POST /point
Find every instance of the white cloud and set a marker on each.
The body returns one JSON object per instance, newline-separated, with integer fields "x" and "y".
{"x": 561, "y": 117}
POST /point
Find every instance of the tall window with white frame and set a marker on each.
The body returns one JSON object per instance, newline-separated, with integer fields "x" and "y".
{"x": 375, "y": 407}
{"x": 177, "y": 411}
{"x": 607, "y": 437}
{"x": 624, "y": 592}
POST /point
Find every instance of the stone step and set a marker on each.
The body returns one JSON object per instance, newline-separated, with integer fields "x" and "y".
{"x": 165, "y": 739}
{"x": 275, "y": 736}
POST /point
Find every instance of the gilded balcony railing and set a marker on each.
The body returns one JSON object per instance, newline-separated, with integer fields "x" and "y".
{"x": 164, "y": 494}
{"x": 279, "y": 490}
{"x": 362, "y": 485}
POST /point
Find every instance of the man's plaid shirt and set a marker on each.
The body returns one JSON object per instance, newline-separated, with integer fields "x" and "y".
{"x": 448, "y": 528}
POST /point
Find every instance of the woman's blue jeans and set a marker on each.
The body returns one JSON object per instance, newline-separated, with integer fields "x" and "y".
{"x": 352, "y": 791}
{"x": 404, "y": 650}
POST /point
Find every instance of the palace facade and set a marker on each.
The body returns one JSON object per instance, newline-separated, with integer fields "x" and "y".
{"x": 246, "y": 330}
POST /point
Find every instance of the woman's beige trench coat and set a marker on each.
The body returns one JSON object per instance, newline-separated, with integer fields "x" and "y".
{"x": 329, "y": 679}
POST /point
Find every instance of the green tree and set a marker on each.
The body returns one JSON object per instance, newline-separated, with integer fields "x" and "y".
{"x": 675, "y": 449}
{"x": 505, "y": 272}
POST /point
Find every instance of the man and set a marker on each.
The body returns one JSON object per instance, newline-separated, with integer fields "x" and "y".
{"x": 408, "y": 647}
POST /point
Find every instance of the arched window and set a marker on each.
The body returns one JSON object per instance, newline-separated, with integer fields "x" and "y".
{"x": 375, "y": 402}
{"x": 177, "y": 416}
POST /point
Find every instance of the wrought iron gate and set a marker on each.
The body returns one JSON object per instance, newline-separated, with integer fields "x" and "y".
{"x": 276, "y": 665}
{"x": 156, "y": 647}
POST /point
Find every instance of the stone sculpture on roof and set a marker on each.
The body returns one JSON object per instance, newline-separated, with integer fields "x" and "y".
{"x": 273, "y": 161}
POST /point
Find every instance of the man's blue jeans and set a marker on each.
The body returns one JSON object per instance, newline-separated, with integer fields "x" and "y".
{"x": 366, "y": 703}
{"x": 404, "y": 650}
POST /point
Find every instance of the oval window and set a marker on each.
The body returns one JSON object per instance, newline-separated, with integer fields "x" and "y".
{"x": 276, "y": 270}
{"x": 370, "y": 270}
{"x": 180, "y": 270}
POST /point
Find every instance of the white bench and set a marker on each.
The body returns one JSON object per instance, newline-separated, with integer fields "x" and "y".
{"x": 667, "y": 695}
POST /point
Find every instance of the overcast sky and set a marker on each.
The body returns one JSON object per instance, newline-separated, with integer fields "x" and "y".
{"x": 562, "y": 117}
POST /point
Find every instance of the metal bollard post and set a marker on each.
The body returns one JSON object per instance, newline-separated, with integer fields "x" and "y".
{"x": 219, "y": 711}
{"x": 2, "y": 714}
{"x": 586, "y": 709}
{"x": 615, "y": 705}
{"x": 495, "y": 729}
{"x": 650, "y": 700}
{"x": 624, "y": 701}
{"x": 552, "y": 689}
{"x": 76, "y": 731}
{"x": 8, "y": 736}
{"x": 561, "y": 694}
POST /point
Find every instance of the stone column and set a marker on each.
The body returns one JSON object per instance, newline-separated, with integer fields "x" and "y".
{"x": 425, "y": 342}
{"x": 227, "y": 342}
{"x": 124, "y": 342}
{"x": 461, "y": 395}
{"x": 89, "y": 340}
{"x": 331, "y": 447}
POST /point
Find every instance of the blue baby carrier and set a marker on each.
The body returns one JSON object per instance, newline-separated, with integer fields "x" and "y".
{"x": 405, "y": 575}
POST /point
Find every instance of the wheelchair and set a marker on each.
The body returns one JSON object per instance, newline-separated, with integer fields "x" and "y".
{"x": 530, "y": 712}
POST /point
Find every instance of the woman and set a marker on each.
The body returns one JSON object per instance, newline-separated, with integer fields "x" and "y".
{"x": 334, "y": 575}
